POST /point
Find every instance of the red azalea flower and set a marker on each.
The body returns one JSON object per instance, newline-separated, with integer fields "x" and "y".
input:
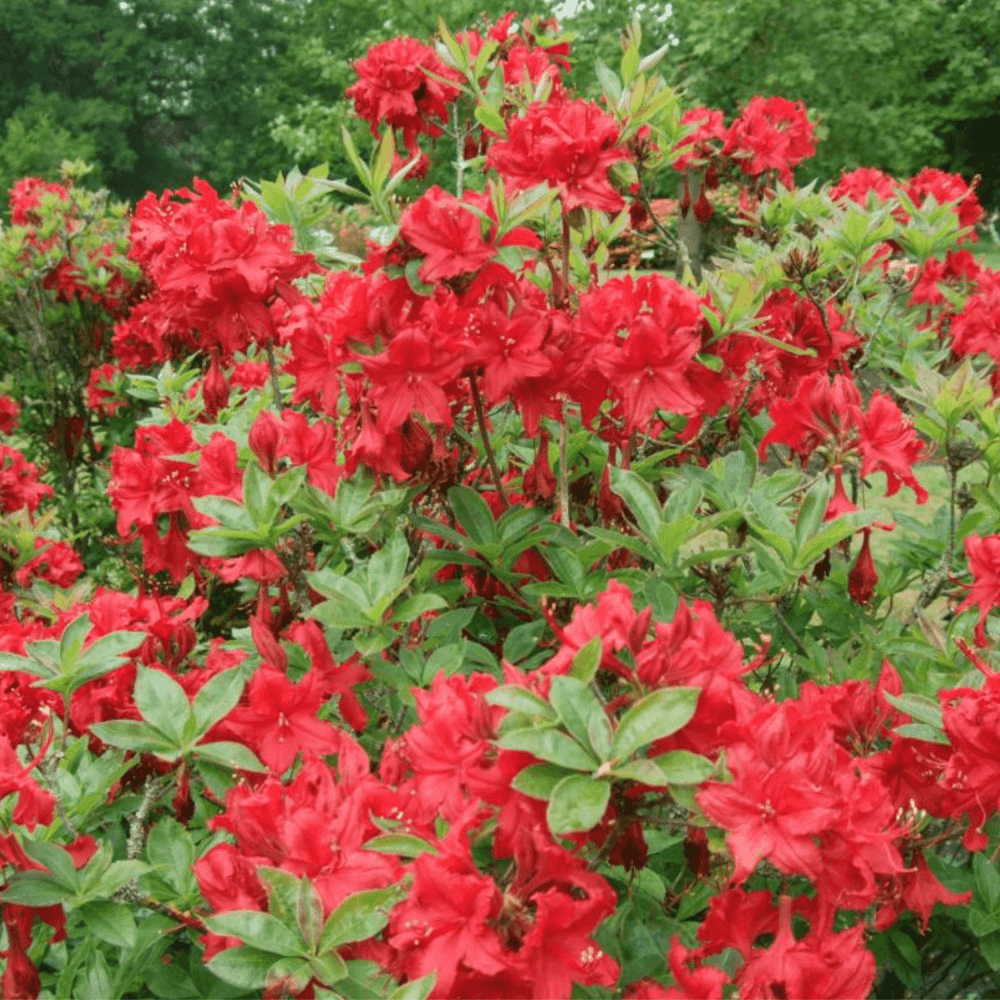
{"x": 9, "y": 413}
{"x": 983, "y": 555}
{"x": 771, "y": 133}
{"x": 569, "y": 146}
{"x": 280, "y": 720}
{"x": 447, "y": 233}
{"x": 393, "y": 88}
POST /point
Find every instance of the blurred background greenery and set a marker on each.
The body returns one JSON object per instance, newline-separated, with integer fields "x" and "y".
{"x": 155, "y": 92}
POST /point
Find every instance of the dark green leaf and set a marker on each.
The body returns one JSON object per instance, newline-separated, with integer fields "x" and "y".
{"x": 111, "y": 922}
{"x": 473, "y": 514}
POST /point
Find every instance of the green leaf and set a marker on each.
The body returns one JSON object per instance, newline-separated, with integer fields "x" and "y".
{"x": 581, "y": 713}
{"x": 651, "y": 718}
{"x": 681, "y": 767}
{"x": 641, "y": 500}
{"x": 244, "y": 967}
{"x": 218, "y": 697}
{"x": 473, "y": 514}
{"x": 105, "y": 655}
{"x": 415, "y": 989}
{"x": 918, "y": 706}
{"x": 358, "y": 917}
{"x": 413, "y": 607}
{"x": 384, "y": 156}
{"x": 519, "y": 699}
{"x": 227, "y": 754}
{"x": 522, "y": 640}
{"x": 578, "y": 803}
{"x": 73, "y": 638}
{"x": 162, "y": 702}
{"x": 34, "y": 889}
{"x": 111, "y": 922}
{"x": 329, "y": 968}
{"x": 387, "y": 567}
{"x": 491, "y": 119}
{"x": 609, "y": 82}
{"x": 170, "y": 849}
{"x": 551, "y": 745}
{"x": 403, "y": 844}
{"x": 539, "y": 780}
{"x": 259, "y": 930}
{"x": 642, "y": 770}
{"x": 117, "y": 875}
{"x": 57, "y": 860}
{"x": 128, "y": 734}
{"x": 587, "y": 660}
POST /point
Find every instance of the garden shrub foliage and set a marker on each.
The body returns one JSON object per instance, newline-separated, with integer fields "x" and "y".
{"x": 504, "y": 625}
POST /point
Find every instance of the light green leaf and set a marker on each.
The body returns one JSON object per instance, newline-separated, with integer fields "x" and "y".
{"x": 651, "y": 718}
{"x": 578, "y": 803}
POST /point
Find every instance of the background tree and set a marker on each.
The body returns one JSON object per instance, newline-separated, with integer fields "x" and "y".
{"x": 898, "y": 86}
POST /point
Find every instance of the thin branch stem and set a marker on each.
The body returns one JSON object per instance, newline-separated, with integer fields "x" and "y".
{"x": 477, "y": 402}
{"x": 564, "y": 469}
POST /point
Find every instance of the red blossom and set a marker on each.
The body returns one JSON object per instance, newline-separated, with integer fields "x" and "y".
{"x": 983, "y": 555}
{"x": 447, "y": 233}
{"x": 570, "y": 146}
{"x": 394, "y": 90}
{"x": 771, "y": 133}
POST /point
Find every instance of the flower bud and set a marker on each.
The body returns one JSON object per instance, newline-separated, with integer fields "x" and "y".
{"x": 264, "y": 439}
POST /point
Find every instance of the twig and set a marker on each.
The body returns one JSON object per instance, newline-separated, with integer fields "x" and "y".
{"x": 563, "y": 470}
{"x": 137, "y": 821}
{"x": 477, "y": 402}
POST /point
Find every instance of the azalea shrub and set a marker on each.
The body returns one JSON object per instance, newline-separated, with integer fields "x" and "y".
{"x": 503, "y": 623}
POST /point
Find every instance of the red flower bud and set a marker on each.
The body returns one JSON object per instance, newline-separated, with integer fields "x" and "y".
{"x": 214, "y": 390}
{"x": 264, "y": 439}
{"x": 862, "y": 578}
{"x": 539, "y": 482}
{"x": 703, "y": 210}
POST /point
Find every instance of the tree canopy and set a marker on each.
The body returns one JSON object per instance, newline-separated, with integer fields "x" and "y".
{"x": 154, "y": 92}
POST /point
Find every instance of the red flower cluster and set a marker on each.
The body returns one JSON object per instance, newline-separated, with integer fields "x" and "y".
{"x": 215, "y": 269}
{"x": 829, "y": 416}
{"x": 771, "y": 133}
{"x": 393, "y": 88}
{"x": 569, "y": 146}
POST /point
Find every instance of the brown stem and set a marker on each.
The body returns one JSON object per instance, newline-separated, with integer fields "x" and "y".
{"x": 477, "y": 402}
{"x": 563, "y": 470}
{"x": 565, "y": 257}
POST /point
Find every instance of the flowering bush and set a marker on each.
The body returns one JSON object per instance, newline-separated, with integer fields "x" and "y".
{"x": 496, "y": 629}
